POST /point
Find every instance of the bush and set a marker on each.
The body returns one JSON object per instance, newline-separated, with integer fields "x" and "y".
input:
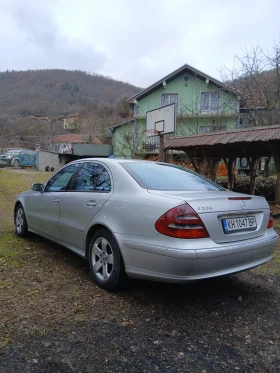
{"x": 264, "y": 186}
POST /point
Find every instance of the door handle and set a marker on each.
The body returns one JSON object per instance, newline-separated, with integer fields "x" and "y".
{"x": 90, "y": 204}
{"x": 56, "y": 200}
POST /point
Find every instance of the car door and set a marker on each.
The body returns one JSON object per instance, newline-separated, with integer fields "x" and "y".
{"x": 88, "y": 192}
{"x": 44, "y": 207}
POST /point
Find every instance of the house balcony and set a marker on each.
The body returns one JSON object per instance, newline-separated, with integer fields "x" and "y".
{"x": 225, "y": 109}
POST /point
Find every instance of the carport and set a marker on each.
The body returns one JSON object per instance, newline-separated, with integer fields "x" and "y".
{"x": 250, "y": 143}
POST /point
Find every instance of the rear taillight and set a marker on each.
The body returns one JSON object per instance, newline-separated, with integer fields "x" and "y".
{"x": 181, "y": 222}
{"x": 270, "y": 221}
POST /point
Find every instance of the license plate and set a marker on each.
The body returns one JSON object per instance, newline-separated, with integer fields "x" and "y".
{"x": 232, "y": 225}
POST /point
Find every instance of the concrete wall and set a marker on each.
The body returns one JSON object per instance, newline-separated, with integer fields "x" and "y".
{"x": 51, "y": 160}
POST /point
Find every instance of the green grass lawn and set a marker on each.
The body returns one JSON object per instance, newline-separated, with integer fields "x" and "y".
{"x": 41, "y": 283}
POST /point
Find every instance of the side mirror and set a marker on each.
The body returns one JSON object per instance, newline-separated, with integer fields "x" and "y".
{"x": 37, "y": 187}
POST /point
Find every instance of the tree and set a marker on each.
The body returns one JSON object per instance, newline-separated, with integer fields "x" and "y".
{"x": 256, "y": 75}
{"x": 121, "y": 106}
{"x": 132, "y": 137}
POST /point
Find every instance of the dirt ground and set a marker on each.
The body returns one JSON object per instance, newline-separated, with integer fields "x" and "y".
{"x": 215, "y": 326}
{"x": 54, "y": 319}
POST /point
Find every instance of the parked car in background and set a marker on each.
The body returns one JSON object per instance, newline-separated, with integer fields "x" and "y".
{"x": 147, "y": 220}
{"x": 19, "y": 158}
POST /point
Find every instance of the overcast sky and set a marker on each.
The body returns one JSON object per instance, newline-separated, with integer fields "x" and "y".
{"x": 138, "y": 42}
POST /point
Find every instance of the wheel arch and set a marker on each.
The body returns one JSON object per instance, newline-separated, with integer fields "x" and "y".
{"x": 93, "y": 229}
{"x": 18, "y": 203}
{"x": 15, "y": 159}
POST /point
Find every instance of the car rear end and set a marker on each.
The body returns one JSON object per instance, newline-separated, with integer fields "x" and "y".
{"x": 209, "y": 236}
{"x": 208, "y": 232}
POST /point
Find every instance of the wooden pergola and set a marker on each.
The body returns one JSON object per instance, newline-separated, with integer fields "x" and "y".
{"x": 250, "y": 143}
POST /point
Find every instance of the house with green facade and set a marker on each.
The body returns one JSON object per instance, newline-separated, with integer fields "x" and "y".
{"x": 202, "y": 105}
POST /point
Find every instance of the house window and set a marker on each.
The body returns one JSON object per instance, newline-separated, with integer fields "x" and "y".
{"x": 209, "y": 102}
{"x": 213, "y": 128}
{"x": 204, "y": 129}
{"x": 136, "y": 109}
{"x": 168, "y": 99}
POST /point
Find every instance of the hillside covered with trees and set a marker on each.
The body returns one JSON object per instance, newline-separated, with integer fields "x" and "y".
{"x": 31, "y": 103}
{"x": 57, "y": 92}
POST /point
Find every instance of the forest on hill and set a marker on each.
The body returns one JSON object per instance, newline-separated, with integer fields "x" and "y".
{"x": 58, "y": 92}
{"x": 32, "y": 101}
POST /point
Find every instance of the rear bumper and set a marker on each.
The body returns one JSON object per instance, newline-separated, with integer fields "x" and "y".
{"x": 172, "y": 265}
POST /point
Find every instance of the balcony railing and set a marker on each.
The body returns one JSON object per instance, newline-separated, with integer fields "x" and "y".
{"x": 190, "y": 110}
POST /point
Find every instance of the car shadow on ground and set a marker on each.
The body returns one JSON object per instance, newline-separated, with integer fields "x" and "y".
{"x": 243, "y": 289}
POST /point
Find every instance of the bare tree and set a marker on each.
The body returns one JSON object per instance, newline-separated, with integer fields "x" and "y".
{"x": 256, "y": 74}
{"x": 132, "y": 144}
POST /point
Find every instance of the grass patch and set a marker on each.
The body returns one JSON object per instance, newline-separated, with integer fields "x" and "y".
{"x": 9, "y": 250}
{"x": 272, "y": 267}
{"x": 43, "y": 285}
{"x": 11, "y": 184}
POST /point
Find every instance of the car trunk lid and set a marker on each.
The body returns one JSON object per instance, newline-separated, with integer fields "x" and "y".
{"x": 227, "y": 216}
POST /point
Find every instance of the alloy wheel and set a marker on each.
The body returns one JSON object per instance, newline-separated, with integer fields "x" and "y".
{"x": 102, "y": 259}
{"x": 20, "y": 220}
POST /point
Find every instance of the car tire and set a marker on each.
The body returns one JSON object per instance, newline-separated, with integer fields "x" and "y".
{"x": 105, "y": 261}
{"x": 16, "y": 163}
{"x": 20, "y": 222}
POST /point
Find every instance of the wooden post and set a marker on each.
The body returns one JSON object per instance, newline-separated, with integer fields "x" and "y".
{"x": 230, "y": 174}
{"x": 254, "y": 165}
{"x": 161, "y": 149}
{"x": 201, "y": 164}
{"x": 231, "y": 177}
{"x": 214, "y": 169}
{"x": 277, "y": 187}
{"x": 194, "y": 163}
{"x": 266, "y": 167}
{"x": 276, "y": 157}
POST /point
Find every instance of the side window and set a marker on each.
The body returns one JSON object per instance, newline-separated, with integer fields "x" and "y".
{"x": 60, "y": 180}
{"x": 103, "y": 183}
{"x": 91, "y": 177}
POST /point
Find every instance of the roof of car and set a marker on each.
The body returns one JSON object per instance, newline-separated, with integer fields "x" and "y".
{"x": 115, "y": 160}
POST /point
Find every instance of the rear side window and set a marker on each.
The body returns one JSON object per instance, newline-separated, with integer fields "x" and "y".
{"x": 92, "y": 177}
{"x": 159, "y": 176}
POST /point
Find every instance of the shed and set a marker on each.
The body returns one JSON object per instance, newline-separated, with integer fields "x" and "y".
{"x": 251, "y": 143}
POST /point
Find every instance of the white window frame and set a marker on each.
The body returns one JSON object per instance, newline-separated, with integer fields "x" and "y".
{"x": 211, "y": 128}
{"x": 168, "y": 99}
{"x": 212, "y": 106}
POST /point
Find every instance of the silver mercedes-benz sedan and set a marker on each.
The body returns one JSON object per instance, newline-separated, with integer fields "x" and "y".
{"x": 147, "y": 220}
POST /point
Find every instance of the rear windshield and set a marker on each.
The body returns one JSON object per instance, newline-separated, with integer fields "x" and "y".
{"x": 159, "y": 176}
